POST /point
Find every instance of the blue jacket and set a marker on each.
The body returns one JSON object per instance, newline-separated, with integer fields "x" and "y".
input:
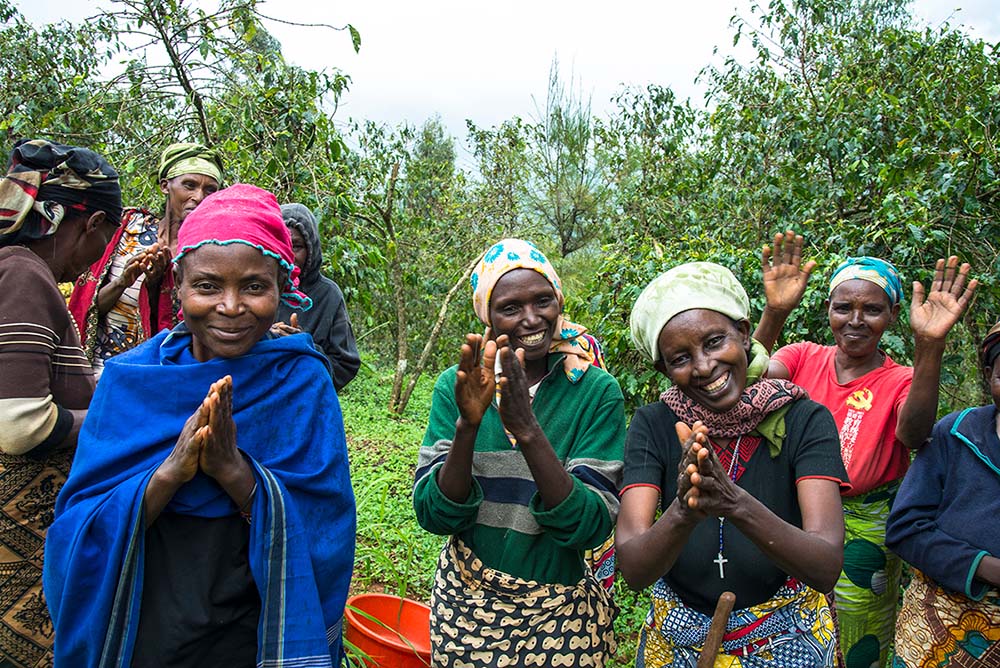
{"x": 944, "y": 520}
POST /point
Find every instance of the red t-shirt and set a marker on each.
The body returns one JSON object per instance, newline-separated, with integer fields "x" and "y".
{"x": 866, "y": 411}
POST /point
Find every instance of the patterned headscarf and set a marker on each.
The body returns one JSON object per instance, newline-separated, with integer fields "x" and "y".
{"x": 180, "y": 159}
{"x": 49, "y": 179}
{"x": 510, "y": 254}
{"x": 244, "y": 214}
{"x": 873, "y": 270}
{"x": 703, "y": 285}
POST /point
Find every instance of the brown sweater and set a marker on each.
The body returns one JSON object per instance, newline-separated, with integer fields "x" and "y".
{"x": 43, "y": 374}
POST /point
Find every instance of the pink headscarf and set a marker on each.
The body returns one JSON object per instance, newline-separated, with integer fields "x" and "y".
{"x": 244, "y": 214}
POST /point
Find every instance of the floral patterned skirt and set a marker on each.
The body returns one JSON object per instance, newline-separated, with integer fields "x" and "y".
{"x": 938, "y": 628}
{"x": 792, "y": 629}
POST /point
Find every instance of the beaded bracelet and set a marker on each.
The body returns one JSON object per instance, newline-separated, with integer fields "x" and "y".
{"x": 244, "y": 513}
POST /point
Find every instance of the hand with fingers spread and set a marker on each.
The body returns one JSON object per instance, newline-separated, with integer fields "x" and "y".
{"x": 475, "y": 382}
{"x": 785, "y": 276}
{"x": 934, "y": 313}
{"x": 515, "y": 401}
{"x": 283, "y": 329}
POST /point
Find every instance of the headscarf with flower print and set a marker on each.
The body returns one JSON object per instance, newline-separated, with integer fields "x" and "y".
{"x": 509, "y": 254}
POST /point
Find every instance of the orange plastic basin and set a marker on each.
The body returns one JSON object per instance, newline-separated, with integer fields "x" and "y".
{"x": 400, "y": 638}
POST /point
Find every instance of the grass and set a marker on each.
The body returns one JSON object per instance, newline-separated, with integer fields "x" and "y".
{"x": 394, "y": 555}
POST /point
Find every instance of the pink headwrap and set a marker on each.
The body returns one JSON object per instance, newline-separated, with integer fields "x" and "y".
{"x": 244, "y": 214}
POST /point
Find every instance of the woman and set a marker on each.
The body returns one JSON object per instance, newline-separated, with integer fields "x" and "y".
{"x": 128, "y": 294}
{"x": 746, "y": 475}
{"x": 327, "y": 321}
{"x": 221, "y": 530}
{"x": 520, "y": 465}
{"x": 882, "y": 410}
{"x": 58, "y": 207}
{"x": 944, "y": 523}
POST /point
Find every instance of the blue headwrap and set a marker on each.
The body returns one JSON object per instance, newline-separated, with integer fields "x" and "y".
{"x": 873, "y": 270}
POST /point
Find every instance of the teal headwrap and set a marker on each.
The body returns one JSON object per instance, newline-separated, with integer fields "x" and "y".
{"x": 873, "y": 270}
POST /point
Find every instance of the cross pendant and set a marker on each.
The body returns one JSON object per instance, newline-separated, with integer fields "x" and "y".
{"x": 721, "y": 560}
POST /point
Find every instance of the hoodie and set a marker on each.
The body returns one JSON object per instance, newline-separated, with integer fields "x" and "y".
{"x": 327, "y": 320}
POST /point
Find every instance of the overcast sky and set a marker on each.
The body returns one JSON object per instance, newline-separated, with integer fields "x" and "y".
{"x": 489, "y": 60}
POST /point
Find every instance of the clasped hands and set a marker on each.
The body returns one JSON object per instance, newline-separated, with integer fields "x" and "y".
{"x": 704, "y": 487}
{"x": 152, "y": 262}
{"x": 475, "y": 383}
{"x": 208, "y": 440}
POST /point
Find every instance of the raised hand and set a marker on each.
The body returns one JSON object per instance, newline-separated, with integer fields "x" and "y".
{"x": 219, "y": 458}
{"x": 475, "y": 382}
{"x": 785, "y": 276}
{"x": 515, "y": 401}
{"x": 283, "y": 329}
{"x": 155, "y": 262}
{"x": 132, "y": 270}
{"x": 933, "y": 314}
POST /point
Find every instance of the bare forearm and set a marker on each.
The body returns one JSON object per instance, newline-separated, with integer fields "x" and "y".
{"x": 772, "y": 321}
{"x": 919, "y": 411}
{"x": 648, "y": 556}
{"x": 553, "y": 482}
{"x": 238, "y": 482}
{"x": 989, "y": 570}
{"x": 454, "y": 478}
{"x": 811, "y": 558}
{"x": 108, "y": 296}
{"x": 159, "y": 491}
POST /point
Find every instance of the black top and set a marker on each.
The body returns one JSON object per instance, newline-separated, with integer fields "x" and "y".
{"x": 811, "y": 449}
{"x": 200, "y": 604}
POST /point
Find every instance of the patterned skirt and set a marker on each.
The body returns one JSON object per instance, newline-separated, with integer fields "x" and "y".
{"x": 938, "y": 628}
{"x": 28, "y": 490}
{"x": 867, "y": 593}
{"x": 792, "y": 629}
{"x": 484, "y": 618}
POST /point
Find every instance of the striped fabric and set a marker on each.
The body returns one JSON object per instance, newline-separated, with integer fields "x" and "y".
{"x": 44, "y": 375}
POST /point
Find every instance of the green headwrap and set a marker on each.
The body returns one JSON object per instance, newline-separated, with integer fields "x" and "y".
{"x": 182, "y": 158}
{"x": 701, "y": 285}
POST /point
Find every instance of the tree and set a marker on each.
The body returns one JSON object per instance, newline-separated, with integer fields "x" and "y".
{"x": 566, "y": 187}
{"x": 411, "y": 207}
{"x": 867, "y": 135}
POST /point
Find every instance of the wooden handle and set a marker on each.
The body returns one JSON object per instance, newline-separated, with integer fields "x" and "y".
{"x": 717, "y": 629}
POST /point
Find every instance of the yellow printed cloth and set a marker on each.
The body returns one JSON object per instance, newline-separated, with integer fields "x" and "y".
{"x": 792, "y": 629}
{"x": 938, "y": 628}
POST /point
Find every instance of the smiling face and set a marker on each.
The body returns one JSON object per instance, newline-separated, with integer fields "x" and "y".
{"x": 704, "y": 353}
{"x": 524, "y": 306}
{"x": 229, "y": 295}
{"x": 859, "y": 313}
{"x": 185, "y": 192}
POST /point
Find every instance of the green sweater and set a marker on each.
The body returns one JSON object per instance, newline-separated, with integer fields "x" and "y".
{"x": 503, "y": 520}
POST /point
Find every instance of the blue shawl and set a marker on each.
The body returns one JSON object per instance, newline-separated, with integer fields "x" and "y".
{"x": 289, "y": 427}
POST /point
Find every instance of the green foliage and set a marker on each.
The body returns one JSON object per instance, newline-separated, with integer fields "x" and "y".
{"x": 393, "y": 552}
{"x": 864, "y": 134}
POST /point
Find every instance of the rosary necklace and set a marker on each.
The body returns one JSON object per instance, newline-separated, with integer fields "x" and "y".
{"x": 733, "y": 465}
